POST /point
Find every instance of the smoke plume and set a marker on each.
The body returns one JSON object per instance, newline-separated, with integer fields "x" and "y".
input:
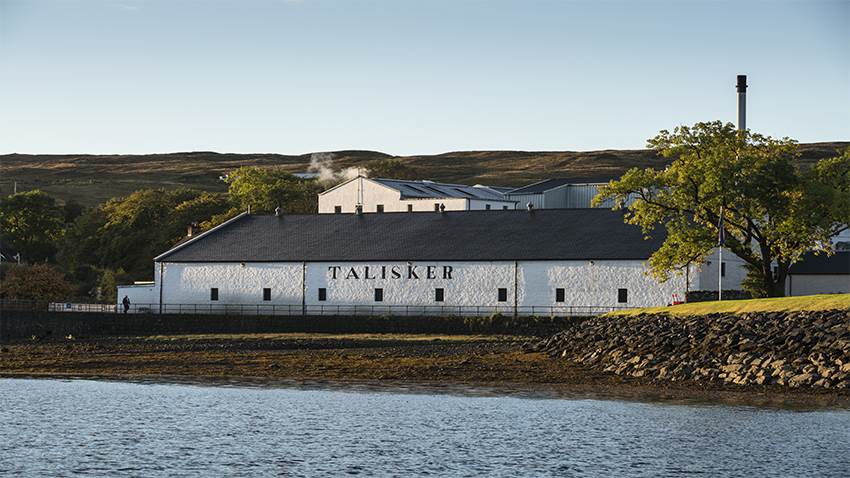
{"x": 322, "y": 164}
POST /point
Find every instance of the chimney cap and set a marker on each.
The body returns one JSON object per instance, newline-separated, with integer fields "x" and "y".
{"x": 742, "y": 83}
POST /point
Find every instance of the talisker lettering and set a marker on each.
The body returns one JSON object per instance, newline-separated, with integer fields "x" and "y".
{"x": 410, "y": 272}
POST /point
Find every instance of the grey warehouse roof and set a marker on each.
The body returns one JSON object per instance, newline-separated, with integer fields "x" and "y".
{"x": 838, "y": 263}
{"x": 549, "y": 184}
{"x": 546, "y": 234}
{"x": 434, "y": 190}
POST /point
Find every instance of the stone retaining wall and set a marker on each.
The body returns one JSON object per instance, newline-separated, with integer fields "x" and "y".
{"x": 16, "y": 325}
{"x": 801, "y": 349}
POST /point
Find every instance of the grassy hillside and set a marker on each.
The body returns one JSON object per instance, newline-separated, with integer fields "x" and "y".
{"x": 779, "y": 304}
{"x": 91, "y": 179}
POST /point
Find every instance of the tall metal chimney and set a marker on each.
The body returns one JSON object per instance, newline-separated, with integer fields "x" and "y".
{"x": 742, "y": 102}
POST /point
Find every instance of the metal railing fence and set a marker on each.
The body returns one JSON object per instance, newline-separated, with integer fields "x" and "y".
{"x": 319, "y": 310}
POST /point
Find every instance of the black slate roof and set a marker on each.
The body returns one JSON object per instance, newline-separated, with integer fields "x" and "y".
{"x": 546, "y": 234}
{"x": 838, "y": 263}
{"x": 548, "y": 184}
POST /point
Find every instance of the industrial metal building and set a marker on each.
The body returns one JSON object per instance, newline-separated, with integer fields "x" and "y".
{"x": 820, "y": 274}
{"x": 396, "y": 195}
{"x": 542, "y": 262}
{"x": 560, "y": 193}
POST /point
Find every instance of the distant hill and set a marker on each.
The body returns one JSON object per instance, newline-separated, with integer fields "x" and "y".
{"x": 91, "y": 179}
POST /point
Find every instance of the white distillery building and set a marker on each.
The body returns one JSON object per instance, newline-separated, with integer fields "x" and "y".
{"x": 543, "y": 262}
{"x": 396, "y": 195}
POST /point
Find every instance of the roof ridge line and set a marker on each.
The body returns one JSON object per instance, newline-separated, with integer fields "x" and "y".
{"x": 203, "y": 234}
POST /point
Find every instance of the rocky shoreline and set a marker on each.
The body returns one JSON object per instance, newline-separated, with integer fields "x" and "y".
{"x": 798, "y": 350}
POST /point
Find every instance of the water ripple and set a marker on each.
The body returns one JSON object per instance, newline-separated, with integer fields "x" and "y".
{"x": 89, "y": 428}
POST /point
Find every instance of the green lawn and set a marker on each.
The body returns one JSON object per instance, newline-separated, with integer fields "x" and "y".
{"x": 780, "y": 304}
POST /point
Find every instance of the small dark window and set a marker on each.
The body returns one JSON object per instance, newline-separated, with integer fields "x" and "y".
{"x": 267, "y": 294}
{"x": 323, "y": 294}
{"x": 487, "y": 207}
{"x": 505, "y": 208}
{"x": 722, "y": 269}
{"x": 439, "y": 294}
{"x": 559, "y": 295}
{"x": 410, "y": 208}
{"x": 503, "y": 295}
{"x": 337, "y": 209}
{"x": 379, "y": 295}
{"x": 379, "y": 208}
{"x": 622, "y": 295}
{"x": 214, "y": 293}
{"x": 437, "y": 207}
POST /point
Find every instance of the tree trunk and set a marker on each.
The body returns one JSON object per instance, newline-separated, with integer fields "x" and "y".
{"x": 779, "y": 280}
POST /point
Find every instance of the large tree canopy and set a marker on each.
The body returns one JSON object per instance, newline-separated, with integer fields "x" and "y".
{"x": 773, "y": 212}
{"x": 31, "y": 222}
{"x": 127, "y": 233}
{"x": 264, "y": 190}
{"x": 36, "y": 282}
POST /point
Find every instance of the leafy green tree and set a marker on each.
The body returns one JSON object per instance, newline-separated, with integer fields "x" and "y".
{"x": 264, "y": 190}
{"x": 772, "y": 211}
{"x": 79, "y": 250}
{"x": 32, "y": 223}
{"x": 391, "y": 168}
{"x": 38, "y": 282}
{"x": 106, "y": 290}
{"x": 127, "y": 233}
{"x": 71, "y": 210}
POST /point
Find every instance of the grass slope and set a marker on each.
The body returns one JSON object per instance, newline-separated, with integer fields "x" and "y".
{"x": 779, "y": 304}
{"x": 91, "y": 179}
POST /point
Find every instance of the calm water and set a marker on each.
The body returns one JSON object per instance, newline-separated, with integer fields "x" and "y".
{"x": 68, "y": 428}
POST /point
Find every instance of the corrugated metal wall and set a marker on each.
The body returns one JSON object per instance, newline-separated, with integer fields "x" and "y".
{"x": 576, "y": 196}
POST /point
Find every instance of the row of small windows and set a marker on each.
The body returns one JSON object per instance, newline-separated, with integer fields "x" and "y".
{"x": 439, "y": 295}
{"x": 380, "y": 208}
{"x": 267, "y": 294}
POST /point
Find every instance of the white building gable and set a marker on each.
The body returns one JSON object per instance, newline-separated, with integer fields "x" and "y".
{"x": 393, "y": 195}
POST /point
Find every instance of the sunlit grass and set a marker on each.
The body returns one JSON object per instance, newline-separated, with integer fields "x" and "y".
{"x": 779, "y": 304}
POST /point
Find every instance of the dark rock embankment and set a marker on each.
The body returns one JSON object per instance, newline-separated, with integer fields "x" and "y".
{"x": 806, "y": 350}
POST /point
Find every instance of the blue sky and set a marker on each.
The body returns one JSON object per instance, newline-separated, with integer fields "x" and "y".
{"x": 403, "y": 77}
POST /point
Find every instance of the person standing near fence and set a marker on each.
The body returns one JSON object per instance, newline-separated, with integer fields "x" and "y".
{"x": 126, "y": 302}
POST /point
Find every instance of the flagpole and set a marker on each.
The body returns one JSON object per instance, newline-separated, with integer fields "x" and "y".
{"x": 720, "y": 258}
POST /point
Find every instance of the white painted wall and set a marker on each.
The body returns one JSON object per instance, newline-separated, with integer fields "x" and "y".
{"x": 810, "y": 284}
{"x": 586, "y": 283}
{"x": 707, "y": 273}
{"x": 139, "y": 295}
{"x": 481, "y": 204}
{"x": 595, "y": 283}
{"x": 374, "y": 193}
{"x": 471, "y": 283}
{"x": 190, "y": 283}
{"x": 345, "y": 195}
